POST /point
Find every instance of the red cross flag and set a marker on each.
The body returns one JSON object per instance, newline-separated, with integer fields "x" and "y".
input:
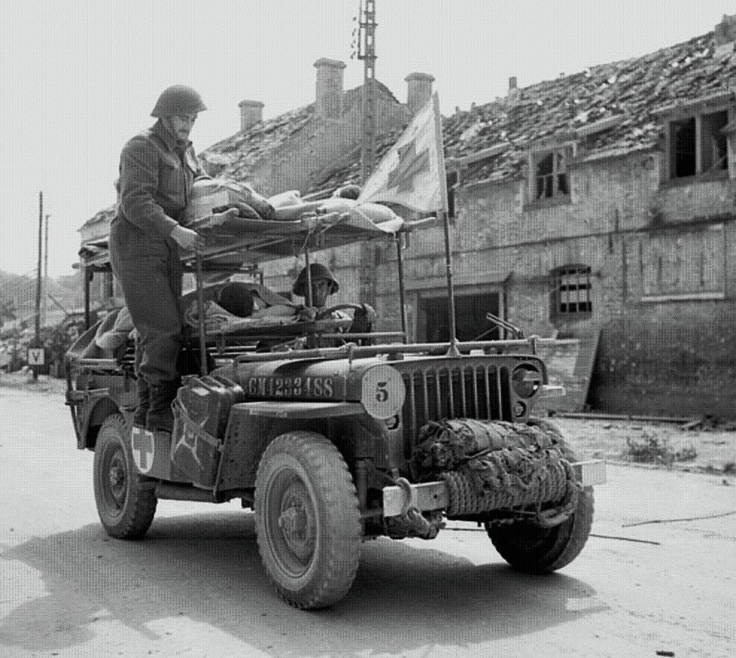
{"x": 412, "y": 173}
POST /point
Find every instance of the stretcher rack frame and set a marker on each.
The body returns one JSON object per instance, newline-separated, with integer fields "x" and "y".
{"x": 309, "y": 227}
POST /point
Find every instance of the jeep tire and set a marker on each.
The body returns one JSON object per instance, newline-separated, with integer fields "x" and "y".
{"x": 529, "y": 547}
{"x": 126, "y": 508}
{"x": 307, "y": 520}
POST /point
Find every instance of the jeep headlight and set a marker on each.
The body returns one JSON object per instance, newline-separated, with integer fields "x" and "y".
{"x": 526, "y": 380}
{"x": 382, "y": 392}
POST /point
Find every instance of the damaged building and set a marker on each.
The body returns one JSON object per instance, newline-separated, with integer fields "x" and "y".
{"x": 597, "y": 207}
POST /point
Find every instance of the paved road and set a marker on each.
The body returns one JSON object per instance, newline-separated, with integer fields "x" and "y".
{"x": 195, "y": 587}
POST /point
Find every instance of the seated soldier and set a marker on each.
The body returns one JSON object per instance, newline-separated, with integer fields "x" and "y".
{"x": 324, "y": 284}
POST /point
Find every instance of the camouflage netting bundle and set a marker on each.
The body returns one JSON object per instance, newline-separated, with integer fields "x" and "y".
{"x": 494, "y": 464}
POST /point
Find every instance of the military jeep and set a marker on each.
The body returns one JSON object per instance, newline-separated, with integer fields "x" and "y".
{"x": 332, "y": 436}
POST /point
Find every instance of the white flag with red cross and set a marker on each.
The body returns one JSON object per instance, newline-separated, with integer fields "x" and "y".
{"x": 412, "y": 173}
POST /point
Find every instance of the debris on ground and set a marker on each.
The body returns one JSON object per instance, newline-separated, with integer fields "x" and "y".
{"x": 654, "y": 444}
{"x": 652, "y": 449}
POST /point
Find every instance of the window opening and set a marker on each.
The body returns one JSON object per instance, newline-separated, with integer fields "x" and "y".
{"x": 470, "y": 317}
{"x": 551, "y": 176}
{"x": 573, "y": 290}
{"x": 683, "y": 138}
{"x": 698, "y": 144}
{"x": 715, "y": 150}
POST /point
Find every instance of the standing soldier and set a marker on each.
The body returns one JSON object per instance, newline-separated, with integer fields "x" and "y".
{"x": 157, "y": 170}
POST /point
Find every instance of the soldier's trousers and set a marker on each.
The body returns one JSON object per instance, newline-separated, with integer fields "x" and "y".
{"x": 152, "y": 290}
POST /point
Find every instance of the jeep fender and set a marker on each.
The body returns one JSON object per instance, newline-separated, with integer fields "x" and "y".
{"x": 253, "y": 425}
{"x": 100, "y": 406}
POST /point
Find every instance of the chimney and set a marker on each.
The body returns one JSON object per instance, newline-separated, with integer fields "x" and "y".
{"x": 725, "y": 35}
{"x": 251, "y": 113}
{"x": 513, "y": 92}
{"x": 328, "y": 102}
{"x": 419, "y": 90}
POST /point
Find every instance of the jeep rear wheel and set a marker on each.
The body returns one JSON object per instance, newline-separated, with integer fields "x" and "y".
{"x": 126, "y": 509}
{"x": 307, "y": 520}
{"x": 532, "y": 548}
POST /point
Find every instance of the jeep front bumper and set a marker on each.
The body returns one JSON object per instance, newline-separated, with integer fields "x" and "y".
{"x": 428, "y": 496}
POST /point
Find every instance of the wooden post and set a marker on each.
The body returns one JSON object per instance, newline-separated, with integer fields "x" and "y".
{"x": 37, "y": 337}
{"x": 45, "y": 295}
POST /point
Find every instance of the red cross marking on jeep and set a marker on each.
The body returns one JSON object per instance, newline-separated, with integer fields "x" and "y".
{"x": 143, "y": 447}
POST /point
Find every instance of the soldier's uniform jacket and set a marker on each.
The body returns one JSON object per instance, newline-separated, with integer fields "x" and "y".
{"x": 156, "y": 177}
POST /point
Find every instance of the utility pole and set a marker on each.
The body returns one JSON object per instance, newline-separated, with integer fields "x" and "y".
{"x": 45, "y": 296}
{"x": 367, "y": 52}
{"x": 37, "y": 338}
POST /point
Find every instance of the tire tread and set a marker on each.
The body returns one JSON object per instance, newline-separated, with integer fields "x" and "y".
{"x": 332, "y": 477}
{"x": 140, "y": 507}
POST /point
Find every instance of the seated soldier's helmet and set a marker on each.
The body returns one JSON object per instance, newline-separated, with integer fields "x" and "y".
{"x": 178, "y": 99}
{"x": 318, "y": 271}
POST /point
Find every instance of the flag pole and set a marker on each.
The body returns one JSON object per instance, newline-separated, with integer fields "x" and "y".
{"x": 402, "y": 294}
{"x": 452, "y": 350}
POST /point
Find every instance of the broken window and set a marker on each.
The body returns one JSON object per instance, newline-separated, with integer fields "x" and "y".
{"x": 715, "y": 150}
{"x": 698, "y": 144}
{"x": 550, "y": 175}
{"x": 572, "y": 290}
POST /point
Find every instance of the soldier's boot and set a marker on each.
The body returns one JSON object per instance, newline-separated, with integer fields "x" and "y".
{"x": 160, "y": 417}
{"x": 144, "y": 402}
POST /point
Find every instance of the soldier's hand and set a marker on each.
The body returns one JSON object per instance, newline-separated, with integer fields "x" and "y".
{"x": 306, "y": 313}
{"x": 188, "y": 239}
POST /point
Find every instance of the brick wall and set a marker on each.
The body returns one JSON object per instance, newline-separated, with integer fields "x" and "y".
{"x": 668, "y": 356}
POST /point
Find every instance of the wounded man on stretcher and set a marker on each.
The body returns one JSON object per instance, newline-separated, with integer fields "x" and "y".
{"x": 230, "y": 307}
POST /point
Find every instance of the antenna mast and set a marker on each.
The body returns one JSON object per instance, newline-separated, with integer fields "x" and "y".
{"x": 367, "y": 52}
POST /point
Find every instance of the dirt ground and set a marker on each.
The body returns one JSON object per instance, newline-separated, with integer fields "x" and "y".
{"x": 704, "y": 446}
{"x": 672, "y": 445}
{"x": 644, "y": 585}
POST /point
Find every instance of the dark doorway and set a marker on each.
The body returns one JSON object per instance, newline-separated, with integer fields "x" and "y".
{"x": 470, "y": 320}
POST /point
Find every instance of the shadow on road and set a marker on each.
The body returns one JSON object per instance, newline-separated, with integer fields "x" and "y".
{"x": 207, "y": 568}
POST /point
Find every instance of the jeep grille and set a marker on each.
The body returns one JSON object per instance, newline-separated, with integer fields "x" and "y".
{"x": 450, "y": 389}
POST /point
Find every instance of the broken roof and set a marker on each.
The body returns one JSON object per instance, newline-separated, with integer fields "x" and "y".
{"x": 236, "y": 156}
{"x": 610, "y": 109}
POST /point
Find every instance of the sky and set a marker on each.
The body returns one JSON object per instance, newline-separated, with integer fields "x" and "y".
{"x": 78, "y": 78}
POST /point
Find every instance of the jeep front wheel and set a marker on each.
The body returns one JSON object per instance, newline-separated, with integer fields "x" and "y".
{"x": 307, "y": 520}
{"x": 126, "y": 509}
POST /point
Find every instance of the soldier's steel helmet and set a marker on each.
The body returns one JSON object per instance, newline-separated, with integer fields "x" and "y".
{"x": 178, "y": 99}
{"x": 318, "y": 271}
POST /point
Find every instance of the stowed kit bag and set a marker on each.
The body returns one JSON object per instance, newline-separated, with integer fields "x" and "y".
{"x": 201, "y": 410}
